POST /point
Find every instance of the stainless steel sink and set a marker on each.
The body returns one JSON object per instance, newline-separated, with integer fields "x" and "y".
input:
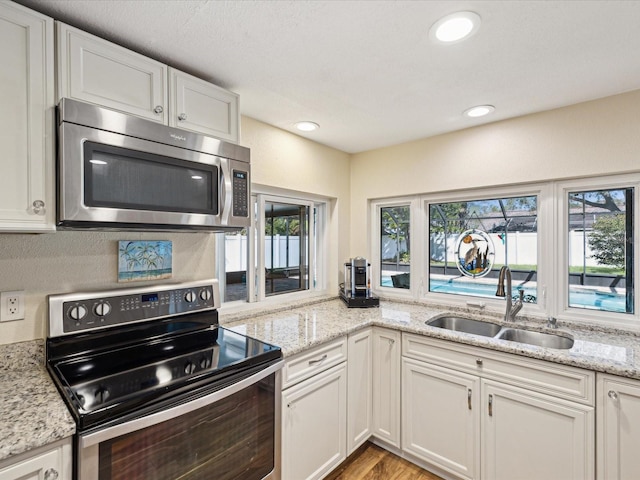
{"x": 488, "y": 329}
{"x": 547, "y": 340}
{"x": 466, "y": 325}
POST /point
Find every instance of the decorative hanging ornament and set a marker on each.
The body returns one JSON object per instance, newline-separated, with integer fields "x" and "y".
{"x": 475, "y": 252}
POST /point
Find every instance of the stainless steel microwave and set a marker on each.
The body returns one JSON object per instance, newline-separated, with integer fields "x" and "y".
{"x": 120, "y": 172}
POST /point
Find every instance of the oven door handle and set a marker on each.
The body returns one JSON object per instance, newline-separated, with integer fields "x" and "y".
{"x": 95, "y": 438}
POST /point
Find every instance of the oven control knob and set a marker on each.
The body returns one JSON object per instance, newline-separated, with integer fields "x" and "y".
{"x": 190, "y": 297}
{"x": 102, "y": 309}
{"x": 78, "y": 312}
{"x": 205, "y": 294}
{"x": 205, "y": 362}
{"x": 189, "y": 368}
{"x": 102, "y": 395}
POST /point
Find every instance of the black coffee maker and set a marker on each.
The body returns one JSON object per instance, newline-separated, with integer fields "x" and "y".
{"x": 356, "y": 289}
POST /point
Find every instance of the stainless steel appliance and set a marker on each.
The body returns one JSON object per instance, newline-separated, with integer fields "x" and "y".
{"x": 159, "y": 390}
{"x": 117, "y": 171}
{"x": 356, "y": 289}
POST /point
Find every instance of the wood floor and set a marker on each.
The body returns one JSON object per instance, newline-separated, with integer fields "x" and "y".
{"x": 371, "y": 462}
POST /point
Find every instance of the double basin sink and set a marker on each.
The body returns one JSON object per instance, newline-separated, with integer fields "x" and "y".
{"x": 488, "y": 329}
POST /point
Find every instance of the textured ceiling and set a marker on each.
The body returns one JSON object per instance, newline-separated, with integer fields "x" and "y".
{"x": 366, "y": 71}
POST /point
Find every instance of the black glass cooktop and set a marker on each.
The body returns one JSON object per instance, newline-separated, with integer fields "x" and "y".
{"x": 119, "y": 374}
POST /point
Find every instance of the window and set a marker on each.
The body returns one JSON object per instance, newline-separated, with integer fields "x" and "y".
{"x": 470, "y": 241}
{"x": 286, "y": 247}
{"x": 282, "y": 254}
{"x": 600, "y": 249}
{"x": 395, "y": 246}
{"x": 235, "y": 265}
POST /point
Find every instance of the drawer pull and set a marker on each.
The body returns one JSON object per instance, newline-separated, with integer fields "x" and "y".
{"x": 612, "y": 395}
{"x": 491, "y": 405}
{"x": 469, "y": 398}
{"x": 319, "y": 360}
{"x": 479, "y": 362}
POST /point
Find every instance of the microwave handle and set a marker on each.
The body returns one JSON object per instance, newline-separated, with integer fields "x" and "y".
{"x": 164, "y": 415}
{"x": 227, "y": 191}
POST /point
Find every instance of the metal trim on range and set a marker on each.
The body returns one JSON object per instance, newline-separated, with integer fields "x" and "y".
{"x": 56, "y": 302}
{"x": 89, "y": 444}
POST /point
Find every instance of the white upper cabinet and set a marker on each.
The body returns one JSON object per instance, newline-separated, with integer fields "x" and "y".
{"x": 26, "y": 125}
{"x": 97, "y": 71}
{"x": 94, "y": 70}
{"x": 202, "y": 107}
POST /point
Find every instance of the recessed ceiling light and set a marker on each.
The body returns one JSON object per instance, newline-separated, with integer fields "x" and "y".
{"x": 455, "y": 27}
{"x": 307, "y": 126}
{"x": 479, "y": 111}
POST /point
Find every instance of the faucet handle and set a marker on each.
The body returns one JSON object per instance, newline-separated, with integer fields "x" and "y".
{"x": 552, "y": 322}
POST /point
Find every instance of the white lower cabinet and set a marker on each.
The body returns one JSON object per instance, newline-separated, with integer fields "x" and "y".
{"x": 314, "y": 414}
{"x": 480, "y": 421}
{"x": 618, "y": 406}
{"x": 441, "y": 417}
{"x": 386, "y": 385}
{"x": 526, "y": 435}
{"x": 52, "y": 462}
{"x": 359, "y": 401}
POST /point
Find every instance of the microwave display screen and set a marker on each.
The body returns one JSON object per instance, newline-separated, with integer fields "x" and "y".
{"x": 116, "y": 177}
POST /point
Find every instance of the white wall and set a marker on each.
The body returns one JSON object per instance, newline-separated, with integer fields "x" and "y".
{"x": 74, "y": 261}
{"x": 592, "y": 138}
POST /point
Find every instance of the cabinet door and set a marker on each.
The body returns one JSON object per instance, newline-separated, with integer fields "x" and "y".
{"x": 26, "y": 125}
{"x": 203, "y": 107}
{"x": 100, "y": 72}
{"x": 618, "y": 434}
{"x": 386, "y": 386}
{"x": 526, "y": 435}
{"x": 359, "y": 389}
{"x": 314, "y": 420}
{"x": 52, "y": 462}
{"x": 440, "y": 418}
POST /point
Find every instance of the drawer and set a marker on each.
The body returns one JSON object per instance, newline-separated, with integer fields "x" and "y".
{"x": 561, "y": 381}
{"x": 307, "y": 364}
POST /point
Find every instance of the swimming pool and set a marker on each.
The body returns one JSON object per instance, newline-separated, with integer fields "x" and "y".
{"x": 578, "y": 297}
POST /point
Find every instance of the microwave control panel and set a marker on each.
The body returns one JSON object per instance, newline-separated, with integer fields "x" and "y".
{"x": 240, "y": 193}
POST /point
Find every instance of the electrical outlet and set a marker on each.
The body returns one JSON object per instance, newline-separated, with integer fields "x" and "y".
{"x": 11, "y": 306}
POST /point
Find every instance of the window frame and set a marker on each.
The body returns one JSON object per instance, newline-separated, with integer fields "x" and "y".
{"x": 543, "y": 267}
{"x": 375, "y": 207}
{"x": 256, "y": 253}
{"x": 561, "y": 308}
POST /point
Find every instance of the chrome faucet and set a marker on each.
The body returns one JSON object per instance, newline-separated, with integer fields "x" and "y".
{"x": 512, "y": 307}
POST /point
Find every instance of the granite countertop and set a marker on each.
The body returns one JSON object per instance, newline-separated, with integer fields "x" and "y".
{"x": 297, "y": 329}
{"x": 32, "y": 413}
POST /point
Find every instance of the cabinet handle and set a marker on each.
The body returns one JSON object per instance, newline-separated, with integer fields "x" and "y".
{"x": 182, "y": 116}
{"x": 158, "y": 110}
{"x": 491, "y": 405}
{"x": 612, "y": 395}
{"x": 319, "y": 360}
{"x": 469, "y": 398}
{"x": 391, "y": 342}
{"x": 479, "y": 362}
{"x": 51, "y": 474}
{"x": 38, "y": 207}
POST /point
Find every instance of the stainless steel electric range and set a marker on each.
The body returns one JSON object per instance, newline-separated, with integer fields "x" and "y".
{"x": 159, "y": 390}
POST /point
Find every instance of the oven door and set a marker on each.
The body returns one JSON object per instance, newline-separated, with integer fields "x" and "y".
{"x": 233, "y": 433}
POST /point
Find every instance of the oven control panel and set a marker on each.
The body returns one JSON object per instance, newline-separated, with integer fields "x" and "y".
{"x": 88, "y": 311}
